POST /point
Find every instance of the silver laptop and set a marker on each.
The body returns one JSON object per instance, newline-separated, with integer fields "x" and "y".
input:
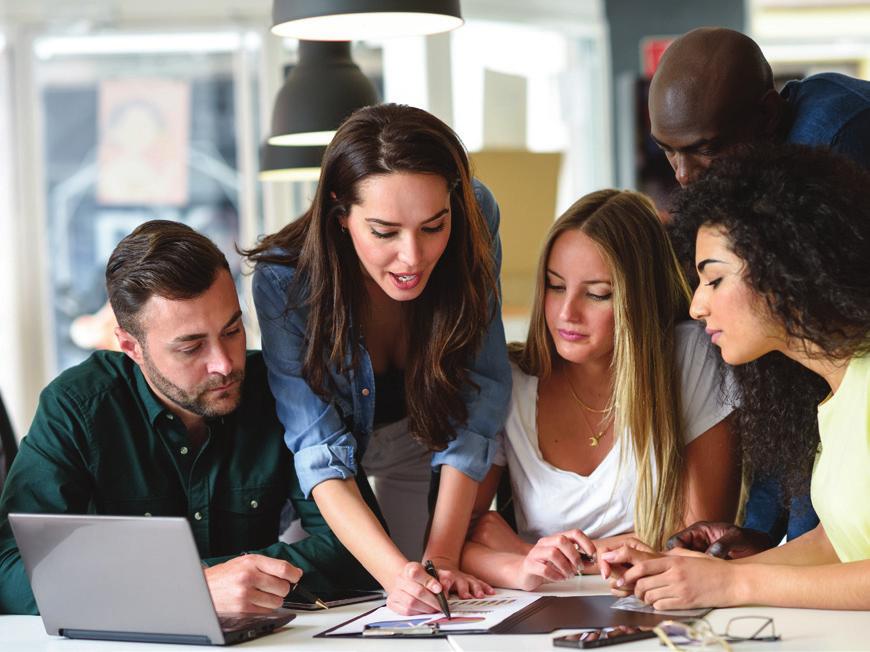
{"x": 126, "y": 578}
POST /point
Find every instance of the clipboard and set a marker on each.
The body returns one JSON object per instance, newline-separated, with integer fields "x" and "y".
{"x": 543, "y": 616}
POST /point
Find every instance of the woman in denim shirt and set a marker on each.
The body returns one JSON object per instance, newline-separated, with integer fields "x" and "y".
{"x": 389, "y": 283}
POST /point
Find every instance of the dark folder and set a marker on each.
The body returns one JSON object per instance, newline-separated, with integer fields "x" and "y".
{"x": 576, "y": 612}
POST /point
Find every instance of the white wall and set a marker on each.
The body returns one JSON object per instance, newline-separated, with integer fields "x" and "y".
{"x": 9, "y": 359}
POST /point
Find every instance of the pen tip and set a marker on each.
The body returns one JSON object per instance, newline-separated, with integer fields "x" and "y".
{"x": 321, "y": 604}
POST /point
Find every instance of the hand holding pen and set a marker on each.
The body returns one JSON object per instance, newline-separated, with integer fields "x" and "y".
{"x": 442, "y": 599}
{"x": 555, "y": 558}
{"x": 300, "y": 591}
{"x": 251, "y": 583}
{"x": 415, "y": 591}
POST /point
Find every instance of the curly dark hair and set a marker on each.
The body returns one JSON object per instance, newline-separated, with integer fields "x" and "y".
{"x": 799, "y": 217}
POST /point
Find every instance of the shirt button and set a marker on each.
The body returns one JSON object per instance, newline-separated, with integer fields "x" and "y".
{"x": 171, "y": 417}
{"x": 197, "y": 516}
{"x": 183, "y": 450}
{"x": 365, "y": 391}
{"x": 254, "y": 504}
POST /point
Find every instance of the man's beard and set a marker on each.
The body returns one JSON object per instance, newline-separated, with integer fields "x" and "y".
{"x": 201, "y": 400}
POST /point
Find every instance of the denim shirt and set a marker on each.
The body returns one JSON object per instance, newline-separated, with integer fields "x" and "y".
{"x": 327, "y": 438}
{"x": 831, "y": 110}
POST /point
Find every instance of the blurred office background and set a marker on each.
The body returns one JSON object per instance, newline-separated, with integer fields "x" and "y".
{"x": 113, "y": 112}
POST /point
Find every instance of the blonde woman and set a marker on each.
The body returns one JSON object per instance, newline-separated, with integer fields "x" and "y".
{"x": 617, "y": 424}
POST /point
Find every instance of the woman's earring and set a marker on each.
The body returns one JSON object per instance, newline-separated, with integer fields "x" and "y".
{"x": 343, "y": 230}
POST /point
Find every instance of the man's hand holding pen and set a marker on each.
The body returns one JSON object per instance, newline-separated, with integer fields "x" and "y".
{"x": 308, "y": 596}
{"x": 415, "y": 591}
{"x": 251, "y": 583}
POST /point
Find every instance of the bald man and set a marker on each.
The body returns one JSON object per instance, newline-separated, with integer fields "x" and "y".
{"x": 713, "y": 93}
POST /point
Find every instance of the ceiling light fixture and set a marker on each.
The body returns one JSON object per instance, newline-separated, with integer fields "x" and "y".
{"x": 290, "y": 163}
{"x": 340, "y": 20}
{"x": 323, "y": 89}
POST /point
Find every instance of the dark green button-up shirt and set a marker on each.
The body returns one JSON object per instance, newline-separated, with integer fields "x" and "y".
{"x": 101, "y": 443}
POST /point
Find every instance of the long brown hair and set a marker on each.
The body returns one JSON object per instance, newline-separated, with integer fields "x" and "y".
{"x": 448, "y": 321}
{"x": 650, "y": 295}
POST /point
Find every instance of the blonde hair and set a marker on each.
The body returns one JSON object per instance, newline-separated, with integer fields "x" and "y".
{"x": 650, "y": 295}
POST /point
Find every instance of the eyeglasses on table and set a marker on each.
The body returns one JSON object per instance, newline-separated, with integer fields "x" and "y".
{"x": 699, "y": 633}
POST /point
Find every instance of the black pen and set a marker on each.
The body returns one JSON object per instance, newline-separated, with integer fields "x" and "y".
{"x": 307, "y": 595}
{"x": 304, "y": 593}
{"x": 442, "y": 599}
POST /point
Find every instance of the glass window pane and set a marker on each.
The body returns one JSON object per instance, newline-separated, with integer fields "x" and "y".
{"x": 130, "y": 136}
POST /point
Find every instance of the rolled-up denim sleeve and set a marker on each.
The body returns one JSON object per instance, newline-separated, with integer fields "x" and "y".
{"x": 314, "y": 431}
{"x": 473, "y": 450}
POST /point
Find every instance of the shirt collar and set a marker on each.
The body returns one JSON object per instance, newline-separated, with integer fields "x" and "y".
{"x": 153, "y": 407}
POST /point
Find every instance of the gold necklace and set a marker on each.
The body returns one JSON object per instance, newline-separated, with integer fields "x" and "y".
{"x": 582, "y": 404}
{"x": 594, "y": 439}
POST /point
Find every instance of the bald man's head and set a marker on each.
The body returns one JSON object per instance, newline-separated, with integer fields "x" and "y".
{"x": 713, "y": 92}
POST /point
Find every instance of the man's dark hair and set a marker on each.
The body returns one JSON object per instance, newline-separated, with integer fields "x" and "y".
{"x": 159, "y": 257}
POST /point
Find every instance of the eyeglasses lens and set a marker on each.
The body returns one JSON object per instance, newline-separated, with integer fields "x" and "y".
{"x": 751, "y": 628}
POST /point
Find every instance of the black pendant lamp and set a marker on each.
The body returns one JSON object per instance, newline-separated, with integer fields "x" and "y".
{"x": 290, "y": 163}
{"x": 339, "y": 20}
{"x": 323, "y": 89}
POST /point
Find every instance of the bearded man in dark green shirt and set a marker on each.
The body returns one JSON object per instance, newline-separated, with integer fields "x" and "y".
{"x": 180, "y": 423}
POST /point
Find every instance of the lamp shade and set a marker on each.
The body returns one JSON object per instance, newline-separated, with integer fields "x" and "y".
{"x": 340, "y": 20}
{"x": 290, "y": 163}
{"x": 323, "y": 89}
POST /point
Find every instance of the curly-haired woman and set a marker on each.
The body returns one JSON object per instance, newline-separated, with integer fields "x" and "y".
{"x": 783, "y": 254}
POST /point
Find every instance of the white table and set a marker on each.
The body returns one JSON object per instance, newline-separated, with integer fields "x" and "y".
{"x": 801, "y": 630}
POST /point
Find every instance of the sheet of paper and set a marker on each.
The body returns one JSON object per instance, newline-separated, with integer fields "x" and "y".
{"x": 631, "y": 603}
{"x": 475, "y": 614}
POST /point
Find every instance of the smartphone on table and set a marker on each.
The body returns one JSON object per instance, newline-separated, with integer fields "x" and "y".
{"x": 604, "y": 636}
